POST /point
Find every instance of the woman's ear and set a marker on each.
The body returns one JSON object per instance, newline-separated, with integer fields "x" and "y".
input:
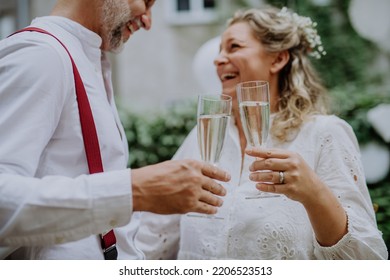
{"x": 280, "y": 60}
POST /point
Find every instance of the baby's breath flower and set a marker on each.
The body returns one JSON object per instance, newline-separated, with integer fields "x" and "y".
{"x": 307, "y": 27}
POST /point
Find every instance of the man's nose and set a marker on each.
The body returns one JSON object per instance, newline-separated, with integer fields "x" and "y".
{"x": 146, "y": 20}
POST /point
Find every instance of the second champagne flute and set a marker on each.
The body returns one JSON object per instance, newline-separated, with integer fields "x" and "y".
{"x": 254, "y": 103}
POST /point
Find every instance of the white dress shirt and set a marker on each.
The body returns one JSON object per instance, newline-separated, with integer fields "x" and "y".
{"x": 48, "y": 207}
{"x": 272, "y": 228}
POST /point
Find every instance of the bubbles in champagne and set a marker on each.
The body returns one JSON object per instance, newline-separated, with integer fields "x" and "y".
{"x": 255, "y": 121}
{"x": 211, "y": 136}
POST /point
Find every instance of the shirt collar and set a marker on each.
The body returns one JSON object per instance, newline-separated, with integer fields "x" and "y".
{"x": 88, "y": 38}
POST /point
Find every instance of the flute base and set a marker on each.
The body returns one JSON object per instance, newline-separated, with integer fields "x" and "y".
{"x": 261, "y": 195}
{"x": 204, "y": 216}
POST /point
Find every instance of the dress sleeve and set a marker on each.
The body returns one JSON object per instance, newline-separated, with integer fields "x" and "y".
{"x": 159, "y": 235}
{"x": 37, "y": 211}
{"x": 339, "y": 166}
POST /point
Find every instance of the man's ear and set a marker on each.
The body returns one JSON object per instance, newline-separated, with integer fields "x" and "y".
{"x": 280, "y": 60}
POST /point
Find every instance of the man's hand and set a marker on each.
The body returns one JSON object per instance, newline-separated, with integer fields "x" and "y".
{"x": 178, "y": 187}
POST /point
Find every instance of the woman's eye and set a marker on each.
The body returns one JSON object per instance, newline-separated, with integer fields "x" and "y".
{"x": 234, "y": 47}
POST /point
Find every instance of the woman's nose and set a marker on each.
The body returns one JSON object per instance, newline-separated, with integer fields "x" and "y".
{"x": 220, "y": 59}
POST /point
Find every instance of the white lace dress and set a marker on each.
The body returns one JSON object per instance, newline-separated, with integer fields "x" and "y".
{"x": 272, "y": 228}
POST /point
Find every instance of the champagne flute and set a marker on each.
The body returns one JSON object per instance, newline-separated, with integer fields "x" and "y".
{"x": 253, "y": 98}
{"x": 212, "y": 119}
{"x": 212, "y": 122}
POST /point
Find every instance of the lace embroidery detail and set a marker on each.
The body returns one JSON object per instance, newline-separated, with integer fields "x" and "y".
{"x": 270, "y": 239}
{"x": 348, "y": 158}
{"x": 273, "y": 242}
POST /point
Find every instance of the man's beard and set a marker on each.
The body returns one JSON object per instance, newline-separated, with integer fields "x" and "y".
{"x": 116, "y": 43}
{"x": 115, "y": 16}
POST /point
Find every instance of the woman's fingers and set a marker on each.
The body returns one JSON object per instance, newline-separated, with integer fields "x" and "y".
{"x": 267, "y": 153}
{"x": 274, "y": 177}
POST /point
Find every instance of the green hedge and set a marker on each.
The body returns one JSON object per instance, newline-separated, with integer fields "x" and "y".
{"x": 155, "y": 137}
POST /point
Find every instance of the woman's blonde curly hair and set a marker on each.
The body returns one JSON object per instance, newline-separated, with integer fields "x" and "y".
{"x": 302, "y": 94}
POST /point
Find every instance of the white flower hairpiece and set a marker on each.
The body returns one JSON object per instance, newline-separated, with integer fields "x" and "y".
{"x": 307, "y": 26}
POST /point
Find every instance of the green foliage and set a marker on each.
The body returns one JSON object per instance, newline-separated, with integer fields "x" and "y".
{"x": 380, "y": 195}
{"x": 352, "y": 101}
{"x": 155, "y": 138}
{"x": 348, "y": 55}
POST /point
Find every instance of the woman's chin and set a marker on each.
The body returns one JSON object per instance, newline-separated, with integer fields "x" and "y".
{"x": 231, "y": 91}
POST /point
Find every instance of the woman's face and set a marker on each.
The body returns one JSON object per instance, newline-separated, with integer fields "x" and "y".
{"x": 241, "y": 58}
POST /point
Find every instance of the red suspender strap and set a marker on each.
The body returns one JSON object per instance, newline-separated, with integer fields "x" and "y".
{"x": 91, "y": 142}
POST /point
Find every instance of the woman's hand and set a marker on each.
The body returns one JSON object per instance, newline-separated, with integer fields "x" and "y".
{"x": 284, "y": 172}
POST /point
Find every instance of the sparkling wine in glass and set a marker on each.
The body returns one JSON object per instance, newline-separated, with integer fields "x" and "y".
{"x": 253, "y": 99}
{"x": 212, "y": 121}
{"x": 212, "y": 118}
{"x": 255, "y": 119}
